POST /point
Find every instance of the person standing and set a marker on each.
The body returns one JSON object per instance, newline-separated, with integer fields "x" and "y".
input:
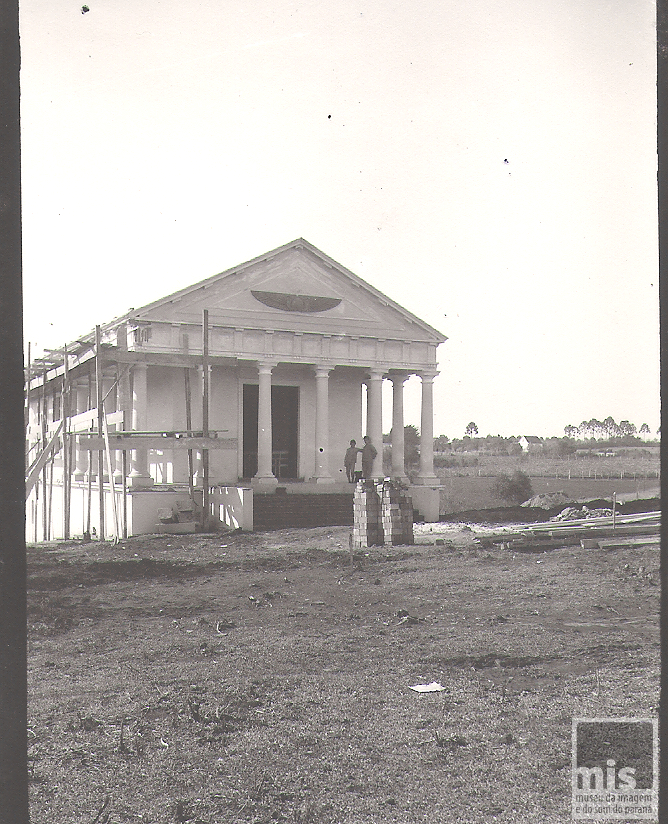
{"x": 369, "y": 453}
{"x": 350, "y": 460}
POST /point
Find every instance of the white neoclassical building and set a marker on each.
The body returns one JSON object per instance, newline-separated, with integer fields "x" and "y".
{"x": 265, "y": 364}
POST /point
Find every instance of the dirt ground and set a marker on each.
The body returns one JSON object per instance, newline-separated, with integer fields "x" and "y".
{"x": 266, "y": 677}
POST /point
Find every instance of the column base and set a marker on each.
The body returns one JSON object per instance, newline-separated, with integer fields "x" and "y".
{"x": 264, "y": 482}
{"x": 140, "y": 481}
{"x": 401, "y": 479}
{"x": 427, "y": 502}
{"x": 323, "y": 480}
{"x": 428, "y": 480}
{"x": 79, "y": 477}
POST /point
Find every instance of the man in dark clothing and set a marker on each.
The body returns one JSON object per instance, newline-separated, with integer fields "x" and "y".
{"x": 350, "y": 460}
{"x": 369, "y": 453}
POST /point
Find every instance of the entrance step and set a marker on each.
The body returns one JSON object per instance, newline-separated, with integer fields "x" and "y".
{"x": 271, "y": 511}
{"x": 176, "y": 529}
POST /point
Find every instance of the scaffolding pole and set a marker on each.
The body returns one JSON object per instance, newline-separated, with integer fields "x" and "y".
{"x": 27, "y": 408}
{"x": 124, "y": 454}
{"x": 205, "y": 418}
{"x": 107, "y": 450}
{"x": 67, "y": 469}
{"x": 43, "y": 422}
{"x": 100, "y": 417}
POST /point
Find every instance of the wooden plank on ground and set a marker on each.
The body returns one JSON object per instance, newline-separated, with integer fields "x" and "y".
{"x": 631, "y": 541}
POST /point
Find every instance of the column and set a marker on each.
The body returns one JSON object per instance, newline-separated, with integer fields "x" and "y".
{"x": 125, "y": 406}
{"x": 398, "y": 464}
{"x": 113, "y": 404}
{"x": 139, "y": 474}
{"x": 374, "y": 418}
{"x": 264, "y": 475}
{"x": 92, "y": 405}
{"x": 109, "y": 406}
{"x": 179, "y": 456}
{"x": 427, "y": 476}
{"x": 201, "y": 377}
{"x": 81, "y": 465}
{"x": 197, "y": 410}
{"x": 322, "y": 475}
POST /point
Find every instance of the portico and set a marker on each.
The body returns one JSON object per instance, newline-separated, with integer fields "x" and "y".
{"x": 293, "y": 337}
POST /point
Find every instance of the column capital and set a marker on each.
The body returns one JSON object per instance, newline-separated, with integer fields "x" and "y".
{"x": 322, "y": 371}
{"x": 266, "y": 367}
{"x": 375, "y": 375}
{"x": 398, "y": 377}
{"x": 428, "y": 375}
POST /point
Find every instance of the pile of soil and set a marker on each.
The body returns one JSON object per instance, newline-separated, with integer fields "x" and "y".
{"x": 532, "y": 515}
{"x": 548, "y": 500}
{"x": 576, "y": 513}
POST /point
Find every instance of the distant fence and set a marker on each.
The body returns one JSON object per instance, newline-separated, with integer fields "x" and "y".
{"x": 572, "y": 474}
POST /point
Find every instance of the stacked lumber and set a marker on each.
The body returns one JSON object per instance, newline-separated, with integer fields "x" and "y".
{"x": 642, "y": 529}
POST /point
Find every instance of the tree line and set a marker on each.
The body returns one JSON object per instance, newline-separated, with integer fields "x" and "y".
{"x": 624, "y": 433}
{"x": 607, "y": 429}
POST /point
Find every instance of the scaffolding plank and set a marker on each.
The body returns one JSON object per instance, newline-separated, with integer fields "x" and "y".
{"x": 41, "y": 460}
{"x": 126, "y": 440}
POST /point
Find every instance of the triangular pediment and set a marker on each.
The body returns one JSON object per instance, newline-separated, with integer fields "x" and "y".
{"x": 293, "y": 288}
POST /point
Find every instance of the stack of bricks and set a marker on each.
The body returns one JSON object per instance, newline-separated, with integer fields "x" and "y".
{"x": 396, "y": 515}
{"x": 382, "y": 514}
{"x": 367, "y": 528}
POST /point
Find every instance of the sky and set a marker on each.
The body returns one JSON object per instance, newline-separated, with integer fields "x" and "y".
{"x": 489, "y": 166}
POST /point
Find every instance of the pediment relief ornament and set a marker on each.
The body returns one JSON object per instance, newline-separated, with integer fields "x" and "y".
{"x": 295, "y": 303}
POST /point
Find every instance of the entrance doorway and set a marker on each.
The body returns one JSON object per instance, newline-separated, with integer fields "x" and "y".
{"x": 284, "y": 428}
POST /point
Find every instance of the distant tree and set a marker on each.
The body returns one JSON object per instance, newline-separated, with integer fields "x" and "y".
{"x": 611, "y": 428}
{"x": 471, "y": 429}
{"x": 597, "y": 428}
{"x": 411, "y": 444}
{"x": 515, "y": 488}
{"x": 627, "y": 428}
{"x": 441, "y": 443}
{"x": 570, "y": 431}
{"x": 493, "y": 443}
{"x": 558, "y": 447}
{"x": 564, "y": 447}
{"x": 644, "y": 430}
{"x": 585, "y": 431}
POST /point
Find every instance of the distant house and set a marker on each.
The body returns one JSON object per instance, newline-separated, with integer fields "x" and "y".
{"x": 530, "y": 443}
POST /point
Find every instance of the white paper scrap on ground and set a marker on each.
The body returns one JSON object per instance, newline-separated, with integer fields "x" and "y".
{"x": 433, "y": 687}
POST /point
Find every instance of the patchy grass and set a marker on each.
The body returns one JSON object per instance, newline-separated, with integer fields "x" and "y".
{"x": 262, "y": 678}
